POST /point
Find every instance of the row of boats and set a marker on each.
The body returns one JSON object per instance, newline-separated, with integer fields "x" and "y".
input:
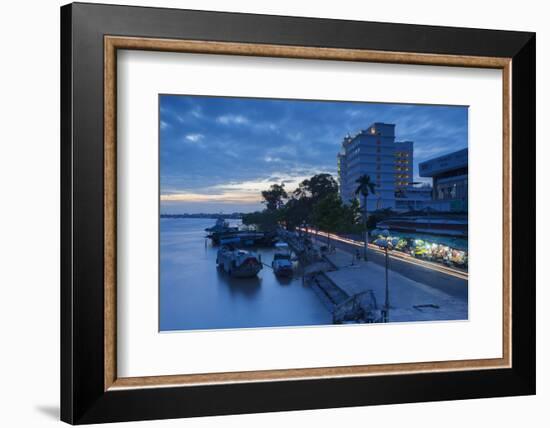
{"x": 240, "y": 263}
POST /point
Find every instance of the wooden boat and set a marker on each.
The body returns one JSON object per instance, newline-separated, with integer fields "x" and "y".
{"x": 282, "y": 260}
{"x": 238, "y": 263}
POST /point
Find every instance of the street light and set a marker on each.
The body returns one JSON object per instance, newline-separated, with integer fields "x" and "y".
{"x": 385, "y": 233}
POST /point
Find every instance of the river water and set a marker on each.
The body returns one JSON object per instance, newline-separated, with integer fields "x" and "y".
{"x": 194, "y": 294}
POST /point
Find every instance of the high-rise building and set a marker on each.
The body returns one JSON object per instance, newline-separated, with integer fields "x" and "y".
{"x": 374, "y": 152}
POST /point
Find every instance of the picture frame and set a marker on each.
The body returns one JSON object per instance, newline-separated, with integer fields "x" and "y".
{"x": 91, "y": 35}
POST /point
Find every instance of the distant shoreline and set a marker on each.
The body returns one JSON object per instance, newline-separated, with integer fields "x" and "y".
{"x": 233, "y": 216}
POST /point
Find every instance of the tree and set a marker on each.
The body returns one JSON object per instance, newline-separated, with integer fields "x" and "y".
{"x": 273, "y": 198}
{"x": 317, "y": 187}
{"x": 327, "y": 214}
{"x": 296, "y": 212}
{"x": 364, "y": 188}
{"x": 351, "y": 217}
{"x": 265, "y": 220}
{"x": 309, "y": 192}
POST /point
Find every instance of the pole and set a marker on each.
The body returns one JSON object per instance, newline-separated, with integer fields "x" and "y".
{"x": 366, "y": 230}
{"x": 366, "y": 240}
{"x": 387, "y": 303}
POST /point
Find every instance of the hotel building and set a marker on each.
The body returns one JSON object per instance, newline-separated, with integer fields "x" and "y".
{"x": 389, "y": 163}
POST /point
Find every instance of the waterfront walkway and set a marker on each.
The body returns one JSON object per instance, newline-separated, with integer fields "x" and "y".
{"x": 442, "y": 280}
{"x": 409, "y": 300}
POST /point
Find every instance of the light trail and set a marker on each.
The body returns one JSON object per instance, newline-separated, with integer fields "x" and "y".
{"x": 406, "y": 258}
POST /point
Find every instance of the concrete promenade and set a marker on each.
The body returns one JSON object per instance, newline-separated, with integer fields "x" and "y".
{"x": 409, "y": 300}
{"x": 449, "y": 284}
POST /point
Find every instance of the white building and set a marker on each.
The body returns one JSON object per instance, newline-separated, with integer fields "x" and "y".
{"x": 449, "y": 174}
{"x": 414, "y": 198}
{"x": 389, "y": 163}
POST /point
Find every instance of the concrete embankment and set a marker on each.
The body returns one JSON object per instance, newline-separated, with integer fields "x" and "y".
{"x": 306, "y": 252}
{"x": 409, "y": 300}
{"x": 336, "y": 277}
{"x": 315, "y": 266}
{"x": 329, "y": 293}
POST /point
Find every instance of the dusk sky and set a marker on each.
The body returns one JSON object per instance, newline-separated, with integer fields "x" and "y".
{"x": 217, "y": 153}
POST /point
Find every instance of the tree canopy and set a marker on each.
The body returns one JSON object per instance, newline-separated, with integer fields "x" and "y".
{"x": 273, "y": 198}
{"x": 317, "y": 187}
{"x": 365, "y": 186}
{"x": 314, "y": 202}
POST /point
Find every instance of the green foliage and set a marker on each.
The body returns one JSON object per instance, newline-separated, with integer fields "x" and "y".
{"x": 317, "y": 187}
{"x": 296, "y": 212}
{"x": 315, "y": 201}
{"x": 327, "y": 213}
{"x": 265, "y": 220}
{"x": 298, "y": 209}
{"x": 351, "y": 218}
{"x": 365, "y": 186}
{"x": 273, "y": 198}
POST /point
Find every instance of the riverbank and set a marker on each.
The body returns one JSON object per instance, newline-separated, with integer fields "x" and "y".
{"x": 337, "y": 277}
{"x": 409, "y": 300}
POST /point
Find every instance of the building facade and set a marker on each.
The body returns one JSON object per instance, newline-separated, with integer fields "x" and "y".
{"x": 389, "y": 163}
{"x": 415, "y": 198}
{"x": 449, "y": 174}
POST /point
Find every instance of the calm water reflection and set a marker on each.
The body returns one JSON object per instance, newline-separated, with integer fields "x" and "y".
{"x": 194, "y": 294}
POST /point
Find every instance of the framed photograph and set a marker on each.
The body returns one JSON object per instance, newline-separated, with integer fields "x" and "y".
{"x": 267, "y": 213}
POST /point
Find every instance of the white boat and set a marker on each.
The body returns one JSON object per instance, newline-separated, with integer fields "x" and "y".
{"x": 282, "y": 260}
{"x": 238, "y": 263}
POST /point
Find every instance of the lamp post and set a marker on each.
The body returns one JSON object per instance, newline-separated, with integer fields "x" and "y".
{"x": 385, "y": 233}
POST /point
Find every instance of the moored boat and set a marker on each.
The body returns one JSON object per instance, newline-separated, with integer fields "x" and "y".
{"x": 222, "y": 233}
{"x": 221, "y": 226}
{"x": 282, "y": 260}
{"x": 238, "y": 263}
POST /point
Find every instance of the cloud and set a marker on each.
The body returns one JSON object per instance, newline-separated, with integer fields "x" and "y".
{"x": 164, "y": 125}
{"x": 267, "y": 127}
{"x": 289, "y": 150}
{"x": 196, "y": 113}
{"x": 232, "y": 119}
{"x": 232, "y": 148}
{"x": 201, "y": 197}
{"x": 294, "y": 136}
{"x": 353, "y": 113}
{"x": 270, "y": 159}
{"x": 194, "y": 138}
{"x": 245, "y": 192}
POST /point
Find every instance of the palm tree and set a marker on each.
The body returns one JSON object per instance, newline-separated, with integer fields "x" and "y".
{"x": 365, "y": 187}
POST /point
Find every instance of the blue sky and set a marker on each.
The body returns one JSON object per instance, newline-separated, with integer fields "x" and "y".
{"x": 218, "y": 153}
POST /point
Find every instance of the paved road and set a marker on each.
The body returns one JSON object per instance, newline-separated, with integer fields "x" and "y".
{"x": 456, "y": 287}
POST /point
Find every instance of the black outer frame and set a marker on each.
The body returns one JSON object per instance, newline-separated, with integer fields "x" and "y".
{"x": 83, "y": 399}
